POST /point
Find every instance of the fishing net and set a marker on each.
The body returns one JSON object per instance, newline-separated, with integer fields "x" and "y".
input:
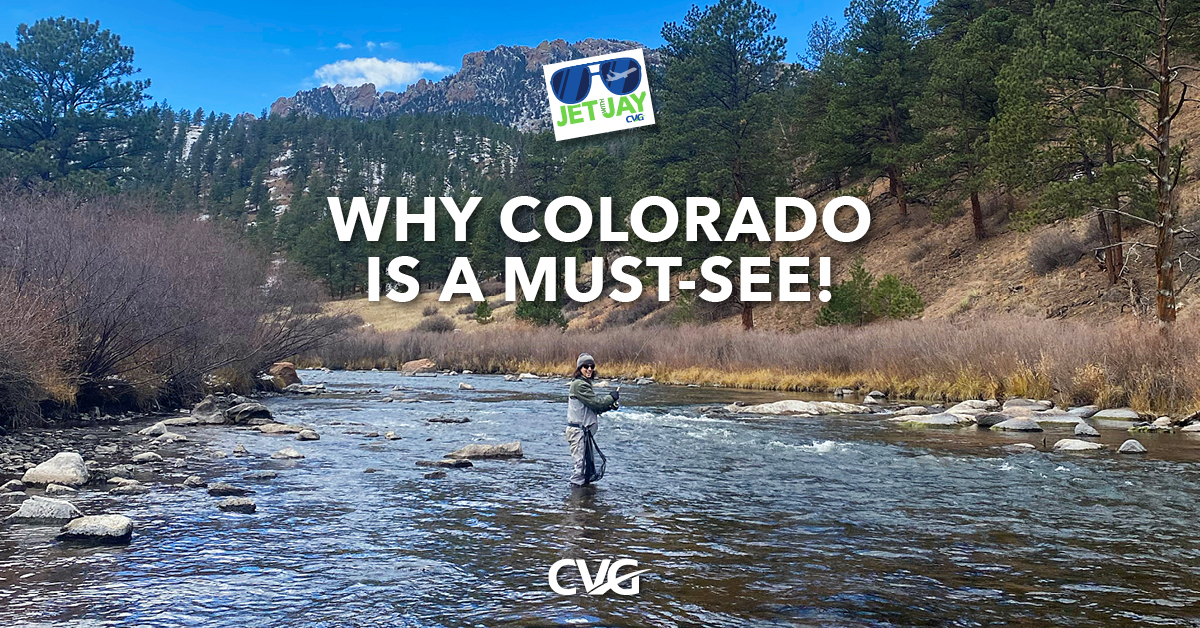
{"x": 592, "y": 472}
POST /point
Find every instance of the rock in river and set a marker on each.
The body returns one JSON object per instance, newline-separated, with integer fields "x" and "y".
{"x": 1083, "y": 429}
{"x": 106, "y": 529}
{"x": 1126, "y": 414}
{"x": 477, "y": 450}
{"x": 154, "y": 430}
{"x": 944, "y": 419}
{"x": 448, "y": 419}
{"x": 991, "y": 418}
{"x": 912, "y": 411}
{"x": 280, "y": 428}
{"x": 195, "y": 481}
{"x": 1074, "y": 444}
{"x": 146, "y": 457}
{"x": 222, "y": 489}
{"x": 287, "y": 453}
{"x": 1131, "y": 446}
{"x": 12, "y": 486}
{"x": 434, "y": 475}
{"x": 59, "y": 489}
{"x": 308, "y": 435}
{"x": 238, "y": 504}
{"x": 451, "y": 464}
{"x": 38, "y": 509}
{"x": 244, "y": 412}
{"x": 208, "y": 411}
{"x": 64, "y": 468}
{"x": 797, "y": 406}
{"x": 1018, "y": 424}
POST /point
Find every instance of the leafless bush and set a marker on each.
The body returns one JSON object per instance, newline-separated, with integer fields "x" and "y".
{"x": 153, "y": 300}
{"x": 467, "y": 308}
{"x": 1055, "y": 249}
{"x": 430, "y": 310}
{"x": 630, "y": 313}
{"x": 491, "y": 287}
{"x": 437, "y": 324}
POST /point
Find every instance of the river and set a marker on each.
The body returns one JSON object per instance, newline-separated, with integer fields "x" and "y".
{"x": 847, "y": 521}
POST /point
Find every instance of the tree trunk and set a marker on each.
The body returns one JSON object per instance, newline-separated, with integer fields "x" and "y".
{"x": 897, "y": 188}
{"x": 1110, "y": 226}
{"x": 1164, "y": 269}
{"x": 977, "y": 216}
{"x": 1110, "y": 267}
{"x": 747, "y": 316}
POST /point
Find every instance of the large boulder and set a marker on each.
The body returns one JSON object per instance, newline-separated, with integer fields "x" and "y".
{"x": 146, "y": 458}
{"x": 1074, "y": 444}
{"x": 477, "y": 451}
{"x": 1018, "y": 424}
{"x": 423, "y": 365}
{"x": 104, "y": 529}
{"x": 244, "y": 412}
{"x": 912, "y": 411}
{"x": 38, "y": 509}
{"x": 66, "y": 468}
{"x": 1084, "y": 412}
{"x": 284, "y": 374}
{"x": 208, "y": 411}
{"x": 1083, "y": 429}
{"x": 308, "y": 435}
{"x": 185, "y": 421}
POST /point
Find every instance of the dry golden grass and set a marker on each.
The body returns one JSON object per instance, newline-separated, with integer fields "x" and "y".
{"x": 1068, "y": 361}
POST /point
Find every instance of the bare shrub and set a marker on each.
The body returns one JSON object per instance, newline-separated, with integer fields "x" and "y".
{"x": 1054, "y": 250}
{"x": 467, "y": 308}
{"x": 491, "y": 287}
{"x": 153, "y": 300}
{"x": 630, "y": 313}
{"x": 439, "y": 323}
{"x": 430, "y": 310}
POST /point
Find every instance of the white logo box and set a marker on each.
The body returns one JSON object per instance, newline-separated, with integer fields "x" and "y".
{"x": 628, "y": 112}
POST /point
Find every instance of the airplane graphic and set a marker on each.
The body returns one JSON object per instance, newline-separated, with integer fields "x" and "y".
{"x": 613, "y": 76}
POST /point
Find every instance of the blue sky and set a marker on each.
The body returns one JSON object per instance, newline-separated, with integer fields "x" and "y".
{"x": 231, "y": 56}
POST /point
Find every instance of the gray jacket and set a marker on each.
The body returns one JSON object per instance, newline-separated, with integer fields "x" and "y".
{"x": 584, "y": 406}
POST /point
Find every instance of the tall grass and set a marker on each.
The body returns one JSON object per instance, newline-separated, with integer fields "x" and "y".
{"x": 1072, "y": 362}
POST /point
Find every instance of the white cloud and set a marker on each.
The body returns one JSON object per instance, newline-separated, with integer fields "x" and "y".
{"x": 388, "y": 45}
{"x": 371, "y": 45}
{"x": 343, "y": 46}
{"x": 385, "y": 74}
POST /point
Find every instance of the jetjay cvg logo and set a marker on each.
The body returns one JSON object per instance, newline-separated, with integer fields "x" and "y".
{"x": 599, "y": 94}
{"x": 606, "y": 579}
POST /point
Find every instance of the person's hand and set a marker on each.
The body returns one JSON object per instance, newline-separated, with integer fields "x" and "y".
{"x": 616, "y": 394}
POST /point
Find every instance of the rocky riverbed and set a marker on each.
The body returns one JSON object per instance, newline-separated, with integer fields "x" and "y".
{"x": 746, "y": 506}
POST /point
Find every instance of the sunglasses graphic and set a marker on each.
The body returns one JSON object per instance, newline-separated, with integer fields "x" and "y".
{"x": 620, "y": 76}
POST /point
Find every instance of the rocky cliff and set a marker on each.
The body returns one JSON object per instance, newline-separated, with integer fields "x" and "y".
{"x": 504, "y": 84}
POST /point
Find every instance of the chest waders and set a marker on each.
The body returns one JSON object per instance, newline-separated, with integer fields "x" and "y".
{"x": 591, "y": 471}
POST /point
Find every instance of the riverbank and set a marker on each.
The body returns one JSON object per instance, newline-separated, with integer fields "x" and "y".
{"x": 1069, "y": 362}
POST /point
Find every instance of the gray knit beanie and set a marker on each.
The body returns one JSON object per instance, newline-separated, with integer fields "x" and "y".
{"x": 585, "y": 358}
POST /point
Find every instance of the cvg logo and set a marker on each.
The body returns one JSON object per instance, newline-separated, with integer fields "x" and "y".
{"x": 635, "y": 118}
{"x": 606, "y": 578}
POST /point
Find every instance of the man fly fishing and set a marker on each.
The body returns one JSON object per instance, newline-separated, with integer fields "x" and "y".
{"x": 583, "y": 419}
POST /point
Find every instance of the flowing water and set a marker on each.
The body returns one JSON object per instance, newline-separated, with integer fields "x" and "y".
{"x": 846, "y": 521}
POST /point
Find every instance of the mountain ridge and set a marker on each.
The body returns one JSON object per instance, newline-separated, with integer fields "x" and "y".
{"x": 505, "y": 84}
